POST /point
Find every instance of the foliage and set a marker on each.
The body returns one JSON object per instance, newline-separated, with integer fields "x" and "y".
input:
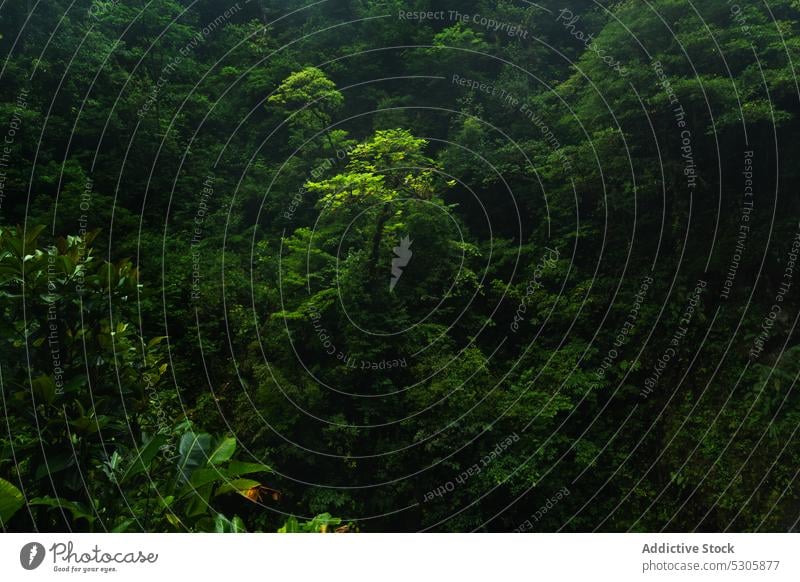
{"x": 346, "y": 264}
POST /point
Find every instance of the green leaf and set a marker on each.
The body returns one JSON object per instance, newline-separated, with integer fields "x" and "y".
{"x": 236, "y": 485}
{"x": 44, "y": 387}
{"x": 55, "y": 462}
{"x": 155, "y": 341}
{"x": 198, "y": 503}
{"x": 10, "y": 500}
{"x": 220, "y": 524}
{"x": 32, "y": 234}
{"x": 175, "y": 521}
{"x": 192, "y": 453}
{"x": 123, "y": 525}
{"x": 223, "y": 451}
{"x": 78, "y": 510}
{"x": 238, "y": 468}
{"x": 201, "y": 478}
{"x": 224, "y": 525}
{"x": 291, "y": 526}
{"x": 319, "y": 524}
{"x": 145, "y": 456}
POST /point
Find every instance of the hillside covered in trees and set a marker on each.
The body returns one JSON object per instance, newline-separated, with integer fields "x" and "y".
{"x": 399, "y": 265}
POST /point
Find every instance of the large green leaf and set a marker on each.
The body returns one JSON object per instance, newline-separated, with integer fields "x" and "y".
{"x": 205, "y": 475}
{"x": 202, "y": 477}
{"x": 239, "y": 468}
{"x": 144, "y": 457}
{"x": 193, "y": 452}
{"x": 10, "y": 500}
{"x": 55, "y": 462}
{"x": 236, "y": 485}
{"x": 78, "y": 510}
{"x": 198, "y": 503}
{"x": 223, "y": 451}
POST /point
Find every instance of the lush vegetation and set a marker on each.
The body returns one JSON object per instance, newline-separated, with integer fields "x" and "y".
{"x": 494, "y": 266}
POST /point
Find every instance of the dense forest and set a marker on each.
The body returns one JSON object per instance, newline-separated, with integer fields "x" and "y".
{"x": 399, "y": 265}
